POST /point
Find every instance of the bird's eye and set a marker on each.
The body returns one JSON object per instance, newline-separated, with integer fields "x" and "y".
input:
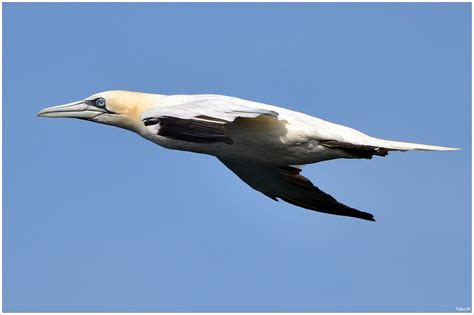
{"x": 100, "y": 102}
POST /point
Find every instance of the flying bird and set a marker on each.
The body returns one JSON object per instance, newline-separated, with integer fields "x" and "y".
{"x": 264, "y": 145}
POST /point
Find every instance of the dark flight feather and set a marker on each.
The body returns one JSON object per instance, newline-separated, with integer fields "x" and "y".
{"x": 361, "y": 151}
{"x": 191, "y": 130}
{"x": 287, "y": 184}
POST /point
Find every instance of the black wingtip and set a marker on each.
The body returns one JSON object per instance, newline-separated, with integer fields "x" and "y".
{"x": 368, "y": 217}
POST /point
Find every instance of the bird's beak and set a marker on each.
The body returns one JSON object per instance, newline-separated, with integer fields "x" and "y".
{"x": 72, "y": 110}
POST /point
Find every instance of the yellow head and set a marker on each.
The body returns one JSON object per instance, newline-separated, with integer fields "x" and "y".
{"x": 118, "y": 108}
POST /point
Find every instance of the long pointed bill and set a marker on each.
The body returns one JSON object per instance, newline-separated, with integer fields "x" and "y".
{"x": 72, "y": 110}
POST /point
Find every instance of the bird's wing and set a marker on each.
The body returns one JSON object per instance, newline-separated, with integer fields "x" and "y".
{"x": 287, "y": 184}
{"x": 200, "y": 121}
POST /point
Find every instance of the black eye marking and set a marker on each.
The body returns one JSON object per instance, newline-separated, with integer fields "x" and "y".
{"x": 100, "y": 102}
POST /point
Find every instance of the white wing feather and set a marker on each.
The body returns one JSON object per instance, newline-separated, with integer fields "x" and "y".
{"x": 199, "y": 109}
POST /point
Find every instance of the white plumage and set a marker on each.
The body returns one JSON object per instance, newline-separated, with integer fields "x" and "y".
{"x": 260, "y": 143}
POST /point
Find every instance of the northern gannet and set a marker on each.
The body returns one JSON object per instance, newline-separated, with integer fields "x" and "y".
{"x": 264, "y": 145}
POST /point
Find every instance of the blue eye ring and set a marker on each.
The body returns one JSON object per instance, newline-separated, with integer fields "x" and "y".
{"x": 100, "y": 102}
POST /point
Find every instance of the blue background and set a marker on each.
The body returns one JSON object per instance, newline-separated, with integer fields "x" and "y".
{"x": 98, "y": 219}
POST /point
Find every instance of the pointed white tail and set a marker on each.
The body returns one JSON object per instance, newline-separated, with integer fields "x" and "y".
{"x": 406, "y": 146}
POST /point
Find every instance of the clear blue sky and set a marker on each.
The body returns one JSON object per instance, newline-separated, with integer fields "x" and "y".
{"x": 97, "y": 219}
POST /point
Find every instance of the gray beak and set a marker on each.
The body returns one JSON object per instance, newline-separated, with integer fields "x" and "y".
{"x": 72, "y": 110}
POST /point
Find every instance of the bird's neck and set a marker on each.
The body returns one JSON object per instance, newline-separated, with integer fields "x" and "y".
{"x": 134, "y": 107}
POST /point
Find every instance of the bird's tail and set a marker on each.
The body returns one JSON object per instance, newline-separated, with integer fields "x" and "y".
{"x": 374, "y": 146}
{"x": 408, "y": 146}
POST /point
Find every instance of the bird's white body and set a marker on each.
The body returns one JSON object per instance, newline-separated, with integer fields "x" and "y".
{"x": 260, "y": 143}
{"x": 293, "y": 139}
